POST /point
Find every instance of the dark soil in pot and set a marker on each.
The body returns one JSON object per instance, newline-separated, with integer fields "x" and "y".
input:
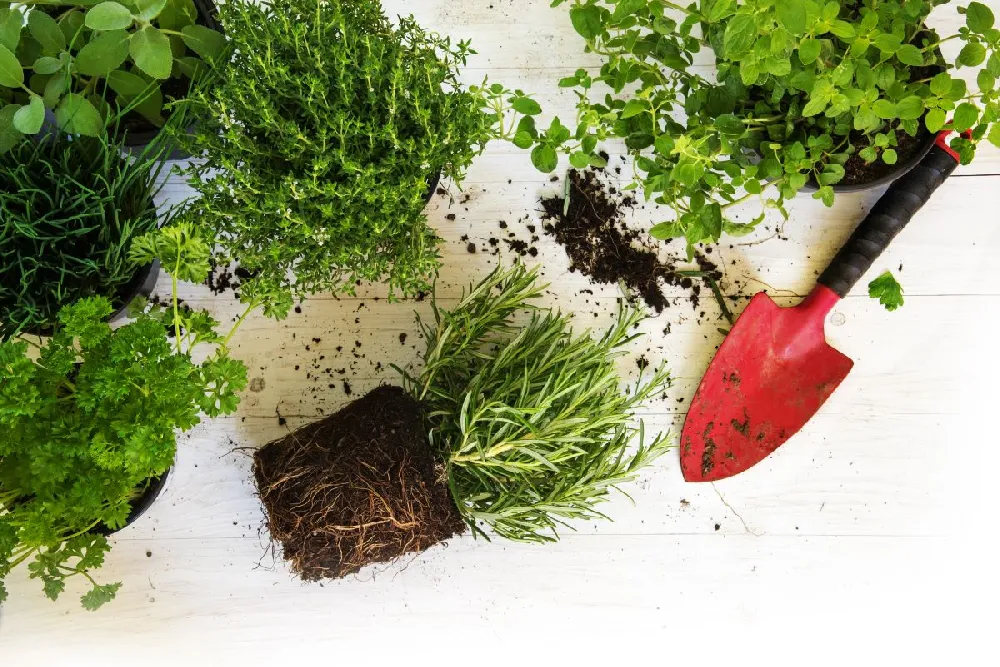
{"x": 861, "y": 176}
{"x": 359, "y": 487}
{"x": 147, "y": 493}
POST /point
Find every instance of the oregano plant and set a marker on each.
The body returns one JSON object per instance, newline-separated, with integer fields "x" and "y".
{"x": 85, "y": 62}
{"x": 803, "y": 91}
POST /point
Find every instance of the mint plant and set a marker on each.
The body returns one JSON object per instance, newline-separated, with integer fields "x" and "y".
{"x": 320, "y": 139}
{"x": 86, "y": 62}
{"x": 90, "y": 415}
{"x": 803, "y": 90}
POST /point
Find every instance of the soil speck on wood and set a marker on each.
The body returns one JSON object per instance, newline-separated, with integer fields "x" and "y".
{"x": 356, "y": 488}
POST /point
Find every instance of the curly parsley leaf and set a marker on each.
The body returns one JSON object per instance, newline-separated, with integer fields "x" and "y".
{"x": 887, "y": 290}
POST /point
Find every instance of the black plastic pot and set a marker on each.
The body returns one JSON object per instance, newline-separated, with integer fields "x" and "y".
{"x": 136, "y": 141}
{"x": 149, "y": 491}
{"x": 432, "y": 183}
{"x": 142, "y": 284}
{"x": 900, "y": 168}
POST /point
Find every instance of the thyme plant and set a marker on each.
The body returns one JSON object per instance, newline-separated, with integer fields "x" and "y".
{"x": 320, "y": 140}
{"x": 530, "y": 420}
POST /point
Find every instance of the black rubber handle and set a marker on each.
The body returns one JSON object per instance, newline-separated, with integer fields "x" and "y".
{"x": 887, "y": 218}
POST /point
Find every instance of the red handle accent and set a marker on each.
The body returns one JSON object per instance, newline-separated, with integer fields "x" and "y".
{"x": 942, "y": 143}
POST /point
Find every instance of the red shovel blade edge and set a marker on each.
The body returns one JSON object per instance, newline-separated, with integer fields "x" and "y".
{"x": 771, "y": 374}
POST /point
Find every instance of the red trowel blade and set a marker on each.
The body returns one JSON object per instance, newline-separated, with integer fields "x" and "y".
{"x": 772, "y": 373}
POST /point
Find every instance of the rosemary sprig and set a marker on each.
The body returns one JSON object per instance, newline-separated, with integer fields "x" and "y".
{"x": 530, "y": 420}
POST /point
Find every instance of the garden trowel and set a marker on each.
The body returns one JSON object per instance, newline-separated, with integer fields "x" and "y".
{"x": 775, "y": 369}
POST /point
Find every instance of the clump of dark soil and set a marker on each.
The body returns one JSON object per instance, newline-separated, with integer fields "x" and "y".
{"x": 222, "y": 279}
{"x": 358, "y": 487}
{"x": 601, "y": 246}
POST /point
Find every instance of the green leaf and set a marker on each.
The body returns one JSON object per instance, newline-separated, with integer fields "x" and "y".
{"x": 887, "y": 290}
{"x": 579, "y": 160}
{"x": 716, "y": 10}
{"x": 54, "y": 89}
{"x": 935, "y": 120}
{"x": 150, "y": 50}
{"x": 76, "y": 115}
{"x": 99, "y": 596}
{"x": 730, "y": 125}
{"x": 108, "y": 16}
{"x": 526, "y": 106}
{"x": 103, "y": 54}
{"x": 210, "y": 45}
{"x": 149, "y": 9}
{"x": 884, "y": 109}
{"x": 634, "y": 108}
{"x": 741, "y": 32}
{"x": 586, "y": 20}
{"x": 11, "y": 23}
{"x": 814, "y": 106}
{"x": 889, "y": 156}
{"x": 843, "y": 30}
{"x": 9, "y": 136}
{"x": 523, "y": 140}
{"x": 792, "y": 16}
{"x": 47, "y": 65}
{"x": 711, "y": 220}
{"x": 971, "y": 55}
{"x": 994, "y": 135}
{"x": 978, "y": 17}
{"x": 966, "y": 116}
{"x": 627, "y": 8}
{"x": 910, "y": 55}
{"x": 545, "y": 158}
{"x": 30, "y": 117}
{"x": 808, "y": 51}
{"x": 986, "y": 81}
{"x": 832, "y": 173}
{"x": 910, "y": 107}
{"x": 941, "y": 84}
{"x": 127, "y": 84}
{"x": 11, "y": 72}
{"x": 48, "y": 33}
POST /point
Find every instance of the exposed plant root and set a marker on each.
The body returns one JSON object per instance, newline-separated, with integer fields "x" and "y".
{"x": 356, "y": 488}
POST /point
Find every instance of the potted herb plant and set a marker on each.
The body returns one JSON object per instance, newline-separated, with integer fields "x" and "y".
{"x": 323, "y": 137}
{"x": 837, "y": 93}
{"x": 89, "y": 420}
{"x": 84, "y": 62}
{"x": 508, "y": 429}
{"x": 69, "y": 211}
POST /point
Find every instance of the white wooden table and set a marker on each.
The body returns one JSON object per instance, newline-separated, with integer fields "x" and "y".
{"x": 870, "y": 534}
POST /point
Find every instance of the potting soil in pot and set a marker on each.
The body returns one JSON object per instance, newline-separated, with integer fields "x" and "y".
{"x": 359, "y": 487}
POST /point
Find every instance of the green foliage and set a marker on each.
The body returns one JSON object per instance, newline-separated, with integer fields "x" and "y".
{"x": 69, "y": 211}
{"x": 798, "y": 85}
{"x": 887, "y": 290}
{"x": 87, "y": 421}
{"x": 320, "y": 139}
{"x": 530, "y": 419}
{"x": 90, "y": 61}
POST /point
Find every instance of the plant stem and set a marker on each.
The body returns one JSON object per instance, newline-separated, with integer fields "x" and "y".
{"x": 177, "y": 319}
{"x": 253, "y": 305}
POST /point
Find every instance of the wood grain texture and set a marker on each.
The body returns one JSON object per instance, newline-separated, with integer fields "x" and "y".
{"x": 870, "y": 534}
